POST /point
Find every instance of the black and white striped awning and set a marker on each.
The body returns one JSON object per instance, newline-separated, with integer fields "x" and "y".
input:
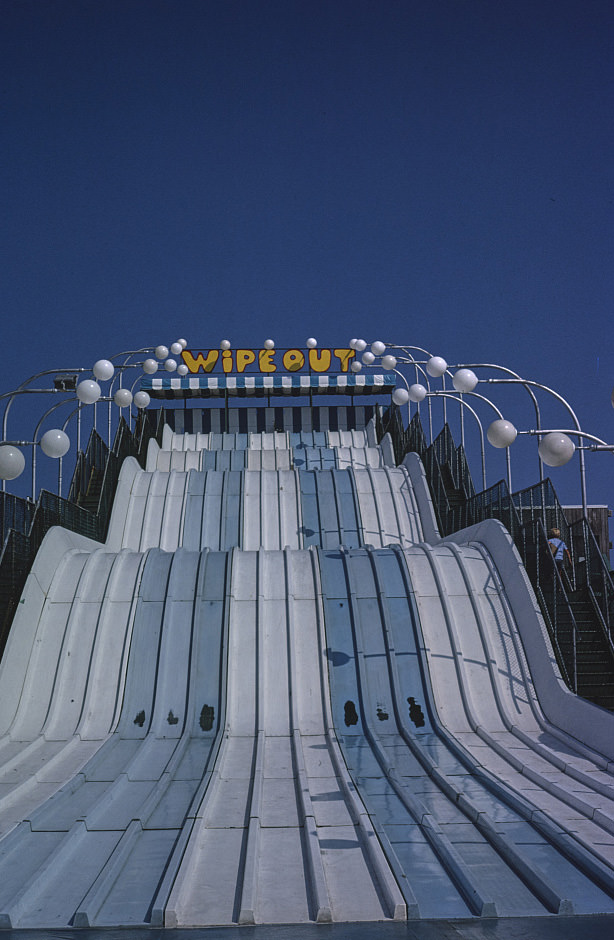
{"x": 210, "y": 386}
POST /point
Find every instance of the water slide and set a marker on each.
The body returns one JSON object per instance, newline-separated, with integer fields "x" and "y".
{"x": 275, "y": 695}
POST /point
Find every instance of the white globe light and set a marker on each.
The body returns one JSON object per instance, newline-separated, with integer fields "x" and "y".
{"x": 150, "y": 366}
{"x": 556, "y": 449}
{"x": 161, "y": 352}
{"x": 464, "y": 380}
{"x": 183, "y": 343}
{"x": 182, "y": 369}
{"x": 170, "y": 365}
{"x": 378, "y": 348}
{"x": 225, "y": 344}
{"x": 55, "y": 443}
{"x": 311, "y": 343}
{"x": 417, "y": 392}
{"x": 389, "y": 362}
{"x": 123, "y": 397}
{"x": 103, "y": 370}
{"x": 176, "y": 349}
{"x": 88, "y": 391}
{"x": 400, "y": 396}
{"x": 141, "y": 399}
{"x": 501, "y": 433}
{"x": 436, "y": 366}
{"x": 356, "y": 366}
{"x": 12, "y": 462}
{"x": 352, "y": 345}
{"x": 368, "y": 358}
{"x": 269, "y": 344}
{"x": 359, "y": 345}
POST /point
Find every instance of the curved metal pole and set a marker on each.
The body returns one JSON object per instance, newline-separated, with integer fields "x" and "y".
{"x": 21, "y": 389}
{"x": 490, "y": 365}
{"x": 544, "y": 388}
{"x": 132, "y": 352}
{"x": 119, "y": 374}
{"x": 35, "y": 441}
{"x": 508, "y": 456}
{"x": 76, "y": 411}
{"x": 418, "y": 367}
{"x": 430, "y": 355}
{"x": 400, "y": 374}
{"x": 132, "y": 387}
{"x": 598, "y": 443}
{"x": 508, "y": 460}
{"x": 463, "y": 405}
{"x": 406, "y": 348}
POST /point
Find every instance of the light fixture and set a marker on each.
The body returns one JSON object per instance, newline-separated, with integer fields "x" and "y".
{"x": 176, "y": 349}
{"x": 356, "y": 366}
{"x": 170, "y": 365}
{"x": 464, "y": 380}
{"x": 417, "y": 392}
{"x": 556, "y": 449}
{"x": 360, "y": 345}
{"x": 123, "y": 398}
{"x": 269, "y": 344}
{"x": 378, "y": 348}
{"x": 12, "y": 462}
{"x": 182, "y": 369}
{"x": 141, "y": 399}
{"x": 183, "y": 343}
{"x": 161, "y": 352}
{"x": 389, "y": 362}
{"x": 400, "y": 396}
{"x": 311, "y": 343}
{"x": 436, "y": 366}
{"x": 150, "y": 366}
{"x": 501, "y": 433}
{"x": 225, "y": 344}
{"x": 103, "y": 370}
{"x": 368, "y": 358}
{"x": 88, "y": 391}
{"x": 55, "y": 443}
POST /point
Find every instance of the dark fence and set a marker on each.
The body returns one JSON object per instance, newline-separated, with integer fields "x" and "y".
{"x": 86, "y": 511}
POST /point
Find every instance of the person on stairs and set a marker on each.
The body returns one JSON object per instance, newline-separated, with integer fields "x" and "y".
{"x": 559, "y": 549}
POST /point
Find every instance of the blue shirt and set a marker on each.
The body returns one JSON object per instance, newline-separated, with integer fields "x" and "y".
{"x": 560, "y": 547}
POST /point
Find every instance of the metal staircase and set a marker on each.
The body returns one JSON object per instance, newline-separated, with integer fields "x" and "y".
{"x": 594, "y": 653}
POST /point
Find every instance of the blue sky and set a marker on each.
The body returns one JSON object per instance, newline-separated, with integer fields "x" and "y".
{"x": 433, "y": 172}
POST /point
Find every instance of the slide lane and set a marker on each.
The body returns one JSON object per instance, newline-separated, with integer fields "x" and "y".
{"x": 272, "y": 509}
{"x": 280, "y": 836}
{"x": 466, "y": 844}
{"x": 265, "y": 440}
{"x": 388, "y": 509}
{"x": 179, "y": 460}
{"x": 56, "y": 718}
{"x": 96, "y": 851}
{"x": 484, "y": 696}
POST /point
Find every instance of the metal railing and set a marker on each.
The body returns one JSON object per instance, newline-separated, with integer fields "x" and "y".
{"x": 23, "y": 523}
{"x": 593, "y": 575}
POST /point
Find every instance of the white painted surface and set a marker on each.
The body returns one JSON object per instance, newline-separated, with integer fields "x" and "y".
{"x": 168, "y": 746}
